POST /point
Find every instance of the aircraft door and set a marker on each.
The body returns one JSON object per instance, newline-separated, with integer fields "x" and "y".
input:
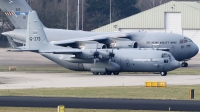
{"x": 188, "y": 50}
{"x": 127, "y": 62}
{"x": 166, "y": 62}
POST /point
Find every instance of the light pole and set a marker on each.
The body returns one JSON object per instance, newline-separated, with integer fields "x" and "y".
{"x": 67, "y": 16}
{"x": 78, "y": 16}
{"x": 110, "y": 11}
{"x": 82, "y": 14}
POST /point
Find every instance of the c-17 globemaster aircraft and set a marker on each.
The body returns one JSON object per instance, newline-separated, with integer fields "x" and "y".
{"x": 103, "y": 61}
{"x": 181, "y": 47}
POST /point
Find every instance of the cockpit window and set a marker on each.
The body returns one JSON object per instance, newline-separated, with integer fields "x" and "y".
{"x": 167, "y": 55}
{"x": 165, "y": 61}
{"x": 185, "y": 40}
{"x": 190, "y": 40}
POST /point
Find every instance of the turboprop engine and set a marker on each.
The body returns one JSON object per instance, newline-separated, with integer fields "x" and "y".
{"x": 121, "y": 43}
{"x": 90, "y": 45}
{"x": 124, "y": 44}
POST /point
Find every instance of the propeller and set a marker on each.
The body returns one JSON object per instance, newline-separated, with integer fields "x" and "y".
{"x": 111, "y": 55}
{"x": 96, "y": 54}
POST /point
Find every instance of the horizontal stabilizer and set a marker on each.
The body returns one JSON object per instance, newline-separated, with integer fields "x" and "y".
{"x": 20, "y": 50}
{"x": 62, "y": 51}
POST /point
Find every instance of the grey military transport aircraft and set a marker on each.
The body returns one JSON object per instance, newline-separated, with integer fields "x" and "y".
{"x": 103, "y": 61}
{"x": 181, "y": 47}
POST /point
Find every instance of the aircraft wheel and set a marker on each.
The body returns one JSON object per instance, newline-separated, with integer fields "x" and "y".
{"x": 95, "y": 73}
{"x": 108, "y": 73}
{"x": 103, "y": 73}
{"x": 116, "y": 73}
{"x": 163, "y": 73}
{"x": 184, "y": 64}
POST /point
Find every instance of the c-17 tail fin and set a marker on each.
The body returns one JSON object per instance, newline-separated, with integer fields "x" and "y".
{"x": 16, "y": 11}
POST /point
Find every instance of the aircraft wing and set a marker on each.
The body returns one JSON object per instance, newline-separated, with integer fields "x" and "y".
{"x": 91, "y": 38}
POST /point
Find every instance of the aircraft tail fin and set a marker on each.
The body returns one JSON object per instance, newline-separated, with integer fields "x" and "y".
{"x": 16, "y": 11}
{"x": 36, "y": 40}
{"x": 36, "y": 37}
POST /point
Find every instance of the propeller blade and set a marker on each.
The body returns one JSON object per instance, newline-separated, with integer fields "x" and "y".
{"x": 95, "y": 60}
{"x": 111, "y": 55}
{"x": 96, "y": 47}
{"x": 109, "y": 61}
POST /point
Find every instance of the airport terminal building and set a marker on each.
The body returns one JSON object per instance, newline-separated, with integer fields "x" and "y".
{"x": 175, "y": 16}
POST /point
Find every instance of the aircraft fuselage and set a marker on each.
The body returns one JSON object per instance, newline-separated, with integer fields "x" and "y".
{"x": 129, "y": 60}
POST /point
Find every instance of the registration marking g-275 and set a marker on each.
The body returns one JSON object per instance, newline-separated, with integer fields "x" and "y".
{"x": 35, "y": 38}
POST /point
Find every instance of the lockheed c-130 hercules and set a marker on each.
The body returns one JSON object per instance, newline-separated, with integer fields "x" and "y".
{"x": 181, "y": 47}
{"x": 98, "y": 61}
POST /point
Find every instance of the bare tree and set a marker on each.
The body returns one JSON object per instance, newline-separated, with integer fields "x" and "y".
{"x": 148, "y": 4}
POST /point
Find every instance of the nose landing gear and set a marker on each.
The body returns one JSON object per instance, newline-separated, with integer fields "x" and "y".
{"x": 184, "y": 64}
{"x": 163, "y": 73}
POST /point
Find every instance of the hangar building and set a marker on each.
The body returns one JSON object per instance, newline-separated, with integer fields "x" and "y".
{"x": 175, "y": 16}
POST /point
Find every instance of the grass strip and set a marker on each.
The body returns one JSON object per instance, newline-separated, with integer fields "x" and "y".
{"x": 23, "y": 109}
{"x": 170, "y": 92}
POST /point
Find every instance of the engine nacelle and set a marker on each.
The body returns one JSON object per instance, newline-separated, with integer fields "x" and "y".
{"x": 89, "y": 54}
{"x": 124, "y": 44}
{"x": 93, "y": 46}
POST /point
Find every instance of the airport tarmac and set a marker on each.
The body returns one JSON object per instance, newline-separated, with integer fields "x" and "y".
{"x": 100, "y": 103}
{"x": 16, "y": 80}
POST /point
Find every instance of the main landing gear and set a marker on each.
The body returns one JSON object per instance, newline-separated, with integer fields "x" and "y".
{"x": 163, "y": 73}
{"x": 106, "y": 73}
{"x": 184, "y": 64}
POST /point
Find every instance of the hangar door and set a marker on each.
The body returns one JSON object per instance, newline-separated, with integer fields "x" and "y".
{"x": 173, "y": 22}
